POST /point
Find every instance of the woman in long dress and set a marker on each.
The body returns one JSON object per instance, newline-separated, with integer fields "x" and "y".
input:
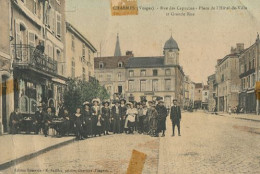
{"x": 106, "y": 117}
{"x": 96, "y": 113}
{"x": 131, "y": 117}
{"x": 87, "y": 125}
{"x": 78, "y": 123}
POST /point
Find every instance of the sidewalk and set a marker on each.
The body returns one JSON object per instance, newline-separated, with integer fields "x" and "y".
{"x": 21, "y": 147}
{"x": 250, "y": 117}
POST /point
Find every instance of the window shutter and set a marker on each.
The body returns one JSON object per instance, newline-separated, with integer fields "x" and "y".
{"x": 58, "y": 24}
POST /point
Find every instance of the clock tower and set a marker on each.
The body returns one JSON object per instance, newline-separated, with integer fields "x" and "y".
{"x": 171, "y": 52}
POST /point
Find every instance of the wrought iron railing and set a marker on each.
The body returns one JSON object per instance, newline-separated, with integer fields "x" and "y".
{"x": 29, "y": 55}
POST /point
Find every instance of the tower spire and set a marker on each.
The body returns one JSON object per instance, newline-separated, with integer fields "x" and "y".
{"x": 117, "y": 49}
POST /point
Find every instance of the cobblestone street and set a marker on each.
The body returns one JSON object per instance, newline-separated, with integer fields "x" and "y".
{"x": 209, "y": 144}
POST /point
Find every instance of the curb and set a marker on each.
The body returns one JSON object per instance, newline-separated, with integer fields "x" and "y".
{"x": 8, "y": 164}
{"x": 240, "y": 118}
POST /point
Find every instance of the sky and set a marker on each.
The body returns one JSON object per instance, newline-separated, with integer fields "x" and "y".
{"x": 202, "y": 39}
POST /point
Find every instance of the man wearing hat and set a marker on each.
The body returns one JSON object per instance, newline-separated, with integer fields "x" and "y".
{"x": 116, "y": 117}
{"x": 162, "y": 114}
{"x": 175, "y": 116}
{"x": 38, "y": 119}
{"x": 122, "y": 112}
{"x": 15, "y": 120}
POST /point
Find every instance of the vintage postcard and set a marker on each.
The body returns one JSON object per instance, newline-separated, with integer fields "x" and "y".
{"x": 129, "y": 86}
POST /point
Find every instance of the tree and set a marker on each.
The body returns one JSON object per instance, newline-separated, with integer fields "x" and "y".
{"x": 78, "y": 91}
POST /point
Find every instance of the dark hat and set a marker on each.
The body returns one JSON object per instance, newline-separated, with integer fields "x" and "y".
{"x": 108, "y": 103}
{"x": 143, "y": 100}
{"x": 122, "y": 99}
{"x": 150, "y": 101}
{"x": 174, "y": 100}
{"x": 116, "y": 101}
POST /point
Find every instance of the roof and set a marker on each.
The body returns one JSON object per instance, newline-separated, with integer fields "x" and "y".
{"x": 235, "y": 55}
{"x": 111, "y": 62}
{"x": 206, "y": 87}
{"x": 145, "y": 62}
{"x": 171, "y": 44}
{"x": 198, "y": 85}
{"x": 72, "y": 29}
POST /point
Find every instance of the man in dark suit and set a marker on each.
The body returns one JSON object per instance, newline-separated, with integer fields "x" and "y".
{"x": 175, "y": 117}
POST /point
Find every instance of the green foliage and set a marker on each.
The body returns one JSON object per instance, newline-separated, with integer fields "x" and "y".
{"x": 79, "y": 91}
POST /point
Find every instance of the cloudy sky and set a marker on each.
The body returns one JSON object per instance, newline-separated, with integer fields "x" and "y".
{"x": 202, "y": 38}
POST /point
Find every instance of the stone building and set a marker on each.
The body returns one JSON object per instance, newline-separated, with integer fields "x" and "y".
{"x": 189, "y": 88}
{"x": 212, "y": 92}
{"x": 79, "y": 54}
{"x": 248, "y": 61}
{"x": 227, "y": 79}
{"x": 205, "y": 97}
{"x": 198, "y": 95}
{"x": 143, "y": 77}
{"x": 34, "y": 39}
{"x": 6, "y": 79}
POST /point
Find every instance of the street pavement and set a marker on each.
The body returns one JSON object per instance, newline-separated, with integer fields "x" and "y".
{"x": 208, "y": 144}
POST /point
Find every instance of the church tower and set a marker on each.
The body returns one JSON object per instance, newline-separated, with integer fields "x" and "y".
{"x": 117, "y": 49}
{"x": 171, "y": 52}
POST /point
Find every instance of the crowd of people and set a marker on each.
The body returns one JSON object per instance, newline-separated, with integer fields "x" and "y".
{"x": 98, "y": 118}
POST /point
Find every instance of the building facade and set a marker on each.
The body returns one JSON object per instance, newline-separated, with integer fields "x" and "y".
{"x": 79, "y": 59}
{"x": 143, "y": 77}
{"x": 227, "y": 79}
{"x": 212, "y": 100}
{"x": 36, "y": 35}
{"x": 205, "y": 97}
{"x": 248, "y": 77}
{"x": 6, "y": 75}
{"x": 198, "y": 95}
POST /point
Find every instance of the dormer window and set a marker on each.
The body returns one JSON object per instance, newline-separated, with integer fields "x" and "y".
{"x": 120, "y": 64}
{"x": 101, "y": 65}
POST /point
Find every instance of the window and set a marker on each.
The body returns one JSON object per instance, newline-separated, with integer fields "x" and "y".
{"x": 143, "y": 73}
{"x": 155, "y": 85}
{"x": 120, "y": 64}
{"x": 222, "y": 78}
{"x": 83, "y": 50}
{"x": 101, "y": 65}
{"x": 89, "y": 55}
{"x": 73, "y": 68}
{"x": 253, "y": 80}
{"x": 84, "y": 73}
{"x": 131, "y": 85}
{"x": 58, "y": 24}
{"x": 109, "y": 89}
{"x": 253, "y": 63}
{"x": 120, "y": 89}
{"x": 167, "y": 72}
{"x": 31, "y": 39}
{"x": 34, "y": 7}
{"x": 142, "y": 85}
{"x": 205, "y": 93}
{"x": 131, "y": 73}
{"x": 119, "y": 76}
{"x": 155, "y": 72}
{"x": 49, "y": 50}
{"x": 109, "y": 77}
{"x": 72, "y": 42}
{"x": 58, "y": 55}
{"x": 199, "y": 91}
{"x": 168, "y": 84}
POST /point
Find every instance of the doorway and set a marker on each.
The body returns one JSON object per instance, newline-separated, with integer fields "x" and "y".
{"x": 4, "y": 105}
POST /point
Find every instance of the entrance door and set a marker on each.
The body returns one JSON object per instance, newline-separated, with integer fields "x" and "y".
{"x": 4, "y": 105}
{"x": 120, "y": 89}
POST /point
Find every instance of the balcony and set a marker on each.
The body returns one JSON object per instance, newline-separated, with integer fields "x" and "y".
{"x": 28, "y": 57}
{"x": 248, "y": 72}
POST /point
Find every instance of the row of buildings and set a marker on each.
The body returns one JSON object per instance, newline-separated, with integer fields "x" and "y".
{"x": 150, "y": 77}
{"x": 39, "y": 51}
{"x": 234, "y": 83}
